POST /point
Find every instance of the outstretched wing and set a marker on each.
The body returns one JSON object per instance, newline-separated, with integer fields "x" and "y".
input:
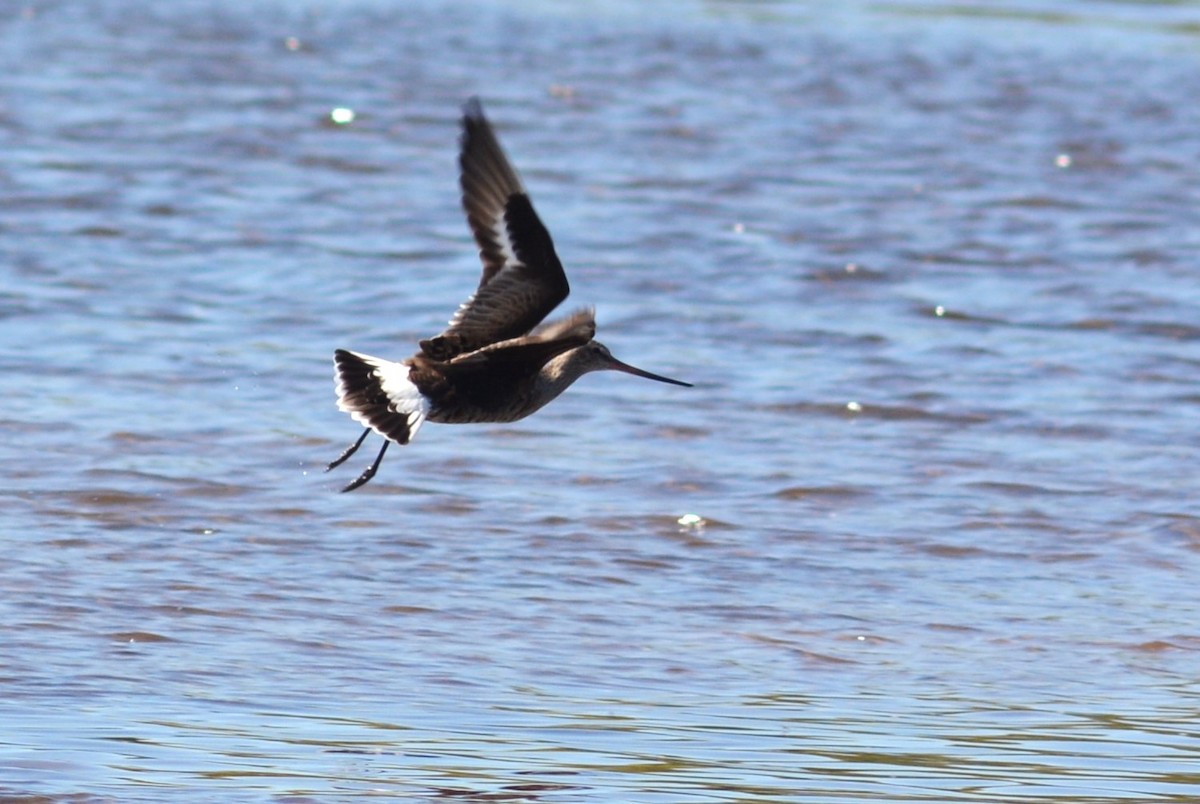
{"x": 525, "y": 356}
{"x": 523, "y": 279}
{"x": 494, "y": 382}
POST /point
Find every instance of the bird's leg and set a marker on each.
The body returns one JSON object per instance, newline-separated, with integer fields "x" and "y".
{"x": 370, "y": 472}
{"x": 350, "y": 450}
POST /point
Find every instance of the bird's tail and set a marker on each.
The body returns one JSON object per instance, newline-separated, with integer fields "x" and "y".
{"x": 379, "y": 394}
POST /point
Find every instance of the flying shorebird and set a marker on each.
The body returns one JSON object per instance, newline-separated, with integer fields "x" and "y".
{"x": 490, "y": 365}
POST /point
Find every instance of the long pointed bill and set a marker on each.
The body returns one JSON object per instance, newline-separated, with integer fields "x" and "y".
{"x": 617, "y": 365}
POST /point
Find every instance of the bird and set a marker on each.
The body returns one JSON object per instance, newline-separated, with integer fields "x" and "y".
{"x": 493, "y": 363}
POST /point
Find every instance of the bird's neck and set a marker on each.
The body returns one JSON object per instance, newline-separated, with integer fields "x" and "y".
{"x": 558, "y": 375}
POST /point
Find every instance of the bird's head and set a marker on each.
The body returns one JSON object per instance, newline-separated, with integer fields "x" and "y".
{"x": 596, "y": 357}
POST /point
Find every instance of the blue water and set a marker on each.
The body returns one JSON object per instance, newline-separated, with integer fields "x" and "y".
{"x": 924, "y": 530}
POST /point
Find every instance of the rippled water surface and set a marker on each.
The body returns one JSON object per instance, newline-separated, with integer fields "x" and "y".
{"x": 925, "y": 529}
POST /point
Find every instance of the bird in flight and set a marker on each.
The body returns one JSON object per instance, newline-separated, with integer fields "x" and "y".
{"x": 494, "y": 363}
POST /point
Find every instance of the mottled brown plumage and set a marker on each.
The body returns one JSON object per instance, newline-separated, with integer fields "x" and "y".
{"x": 490, "y": 364}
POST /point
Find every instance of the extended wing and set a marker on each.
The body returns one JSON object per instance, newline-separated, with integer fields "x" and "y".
{"x": 525, "y": 356}
{"x": 523, "y": 279}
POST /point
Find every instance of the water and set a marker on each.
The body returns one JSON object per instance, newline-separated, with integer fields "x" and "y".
{"x": 925, "y": 530}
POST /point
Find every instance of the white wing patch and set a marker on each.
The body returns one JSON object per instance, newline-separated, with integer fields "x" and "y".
{"x": 499, "y": 232}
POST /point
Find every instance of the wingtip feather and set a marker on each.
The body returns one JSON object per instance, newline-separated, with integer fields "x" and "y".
{"x": 473, "y": 108}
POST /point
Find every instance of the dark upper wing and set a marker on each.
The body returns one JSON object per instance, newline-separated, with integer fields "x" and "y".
{"x": 523, "y": 279}
{"x": 493, "y": 380}
{"x": 525, "y": 356}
